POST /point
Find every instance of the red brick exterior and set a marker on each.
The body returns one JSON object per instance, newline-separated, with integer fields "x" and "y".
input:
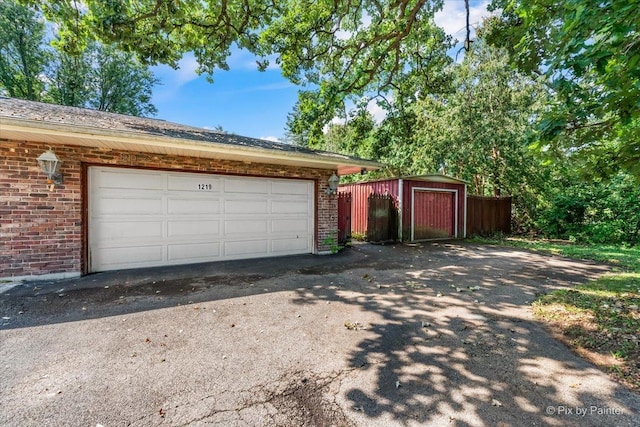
{"x": 43, "y": 232}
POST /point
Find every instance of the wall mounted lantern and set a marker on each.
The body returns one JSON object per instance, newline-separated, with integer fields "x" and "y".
{"x": 334, "y": 180}
{"x": 49, "y": 164}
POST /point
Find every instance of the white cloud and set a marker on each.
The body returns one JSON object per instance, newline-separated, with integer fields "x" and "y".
{"x": 378, "y": 113}
{"x": 452, "y": 18}
{"x": 241, "y": 59}
{"x": 186, "y": 69}
{"x": 271, "y": 86}
{"x": 171, "y": 81}
{"x": 335, "y": 121}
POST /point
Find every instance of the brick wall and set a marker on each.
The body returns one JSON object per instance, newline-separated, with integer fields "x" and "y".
{"x": 41, "y": 231}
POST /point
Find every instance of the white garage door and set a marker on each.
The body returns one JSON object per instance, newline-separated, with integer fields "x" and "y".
{"x": 141, "y": 218}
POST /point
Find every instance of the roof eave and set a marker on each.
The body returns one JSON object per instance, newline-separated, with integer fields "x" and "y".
{"x": 55, "y": 133}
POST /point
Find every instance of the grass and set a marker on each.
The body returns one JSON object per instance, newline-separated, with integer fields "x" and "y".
{"x": 600, "y": 320}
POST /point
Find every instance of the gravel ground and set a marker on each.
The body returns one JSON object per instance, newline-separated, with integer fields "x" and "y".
{"x": 432, "y": 334}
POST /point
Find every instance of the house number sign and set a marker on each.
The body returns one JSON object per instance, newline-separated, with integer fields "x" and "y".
{"x": 205, "y": 186}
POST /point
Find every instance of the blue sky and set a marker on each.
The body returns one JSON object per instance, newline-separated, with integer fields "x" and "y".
{"x": 252, "y": 103}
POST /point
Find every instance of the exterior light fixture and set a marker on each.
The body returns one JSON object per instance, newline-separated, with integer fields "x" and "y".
{"x": 49, "y": 164}
{"x": 334, "y": 180}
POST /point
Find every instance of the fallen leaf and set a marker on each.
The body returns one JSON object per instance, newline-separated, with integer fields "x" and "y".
{"x": 353, "y": 326}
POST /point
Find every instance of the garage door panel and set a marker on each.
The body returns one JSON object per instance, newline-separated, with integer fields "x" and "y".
{"x": 128, "y": 257}
{"x": 193, "y": 206}
{"x": 119, "y": 231}
{"x": 290, "y": 207}
{"x": 189, "y": 229}
{"x": 246, "y": 248}
{"x": 290, "y": 245}
{"x": 256, "y": 226}
{"x": 125, "y": 179}
{"x": 194, "y": 252}
{"x": 171, "y": 223}
{"x": 290, "y": 226}
{"x": 194, "y": 183}
{"x": 246, "y": 207}
{"x": 129, "y": 206}
{"x": 246, "y": 185}
{"x": 288, "y": 187}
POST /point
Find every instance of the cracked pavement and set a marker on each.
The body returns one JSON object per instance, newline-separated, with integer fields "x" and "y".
{"x": 428, "y": 334}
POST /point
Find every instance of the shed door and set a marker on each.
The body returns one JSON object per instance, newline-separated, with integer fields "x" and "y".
{"x": 142, "y": 218}
{"x": 433, "y": 214}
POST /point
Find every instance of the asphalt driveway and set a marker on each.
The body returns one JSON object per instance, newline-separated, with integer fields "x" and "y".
{"x": 432, "y": 334}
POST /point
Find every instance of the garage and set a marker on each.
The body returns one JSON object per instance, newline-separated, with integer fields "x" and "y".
{"x": 425, "y": 207}
{"x": 86, "y": 191}
{"x": 146, "y": 218}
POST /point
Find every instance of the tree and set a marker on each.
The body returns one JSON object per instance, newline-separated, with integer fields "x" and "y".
{"x": 98, "y": 76}
{"x": 69, "y": 77}
{"x": 120, "y": 83}
{"x": 22, "y": 56}
{"x": 590, "y": 53}
{"x": 479, "y": 132}
{"x": 337, "y": 48}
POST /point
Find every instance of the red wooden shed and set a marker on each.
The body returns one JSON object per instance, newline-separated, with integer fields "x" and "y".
{"x": 429, "y": 206}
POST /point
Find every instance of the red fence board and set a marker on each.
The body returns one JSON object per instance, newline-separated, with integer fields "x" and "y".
{"x": 488, "y": 215}
{"x": 344, "y": 217}
{"x": 360, "y": 193}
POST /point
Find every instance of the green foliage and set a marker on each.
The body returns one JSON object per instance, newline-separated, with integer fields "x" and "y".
{"x": 596, "y": 211}
{"x": 589, "y": 52}
{"x": 625, "y": 257}
{"x": 89, "y": 75}
{"x": 120, "y": 83}
{"x": 479, "y": 131}
{"x": 601, "y": 315}
{"x": 334, "y": 247}
{"x": 610, "y": 303}
{"x": 22, "y": 56}
{"x": 340, "y": 50}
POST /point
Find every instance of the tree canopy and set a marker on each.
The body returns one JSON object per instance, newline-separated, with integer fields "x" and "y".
{"x": 98, "y": 76}
{"x": 22, "y": 58}
{"x": 337, "y": 48}
{"x": 590, "y": 53}
{"x": 344, "y": 50}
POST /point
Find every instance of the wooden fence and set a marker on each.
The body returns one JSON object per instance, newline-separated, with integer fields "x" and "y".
{"x": 382, "y": 218}
{"x": 344, "y": 217}
{"x": 488, "y": 215}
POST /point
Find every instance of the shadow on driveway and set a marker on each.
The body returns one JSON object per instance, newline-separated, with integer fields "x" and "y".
{"x": 430, "y": 334}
